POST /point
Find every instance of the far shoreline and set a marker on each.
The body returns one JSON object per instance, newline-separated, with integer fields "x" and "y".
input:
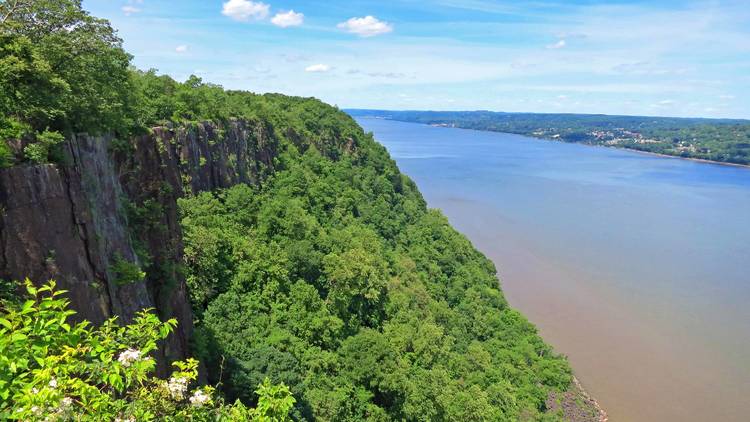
{"x": 698, "y": 160}
{"x": 656, "y": 154}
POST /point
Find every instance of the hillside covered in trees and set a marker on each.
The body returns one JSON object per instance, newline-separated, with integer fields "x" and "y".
{"x": 320, "y": 285}
{"x": 720, "y": 140}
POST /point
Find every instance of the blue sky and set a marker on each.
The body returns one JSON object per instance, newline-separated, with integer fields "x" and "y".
{"x": 666, "y": 58}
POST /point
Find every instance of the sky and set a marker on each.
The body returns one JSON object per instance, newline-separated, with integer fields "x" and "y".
{"x": 661, "y": 58}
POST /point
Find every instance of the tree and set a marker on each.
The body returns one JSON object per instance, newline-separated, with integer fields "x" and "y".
{"x": 61, "y": 70}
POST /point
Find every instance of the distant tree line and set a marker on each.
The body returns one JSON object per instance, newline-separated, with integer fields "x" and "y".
{"x": 721, "y": 140}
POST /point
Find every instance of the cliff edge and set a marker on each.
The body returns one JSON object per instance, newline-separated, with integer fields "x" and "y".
{"x": 104, "y": 222}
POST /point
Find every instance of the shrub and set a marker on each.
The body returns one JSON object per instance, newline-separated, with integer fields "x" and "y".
{"x": 44, "y": 148}
{"x": 6, "y": 155}
{"x": 51, "y": 369}
{"x": 126, "y": 272}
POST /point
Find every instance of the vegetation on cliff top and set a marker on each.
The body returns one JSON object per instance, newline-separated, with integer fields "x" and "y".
{"x": 331, "y": 277}
{"x": 63, "y": 71}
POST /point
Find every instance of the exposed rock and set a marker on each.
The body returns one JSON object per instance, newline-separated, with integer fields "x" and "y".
{"x": 576, "y": 405}
{"x": 71, "y": 222}
{"x": 46, "y": 232}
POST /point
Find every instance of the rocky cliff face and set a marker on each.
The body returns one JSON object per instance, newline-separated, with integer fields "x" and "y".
{"x": 114, "y": 202}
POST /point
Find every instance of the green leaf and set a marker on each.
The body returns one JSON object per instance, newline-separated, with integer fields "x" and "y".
{"x": 27, "y": 307}
{"x": 5, "y": 323}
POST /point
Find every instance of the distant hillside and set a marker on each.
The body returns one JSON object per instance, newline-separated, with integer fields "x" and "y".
{"x": 719, "y": 140}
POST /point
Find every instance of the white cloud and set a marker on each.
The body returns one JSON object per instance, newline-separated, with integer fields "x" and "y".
{"x": 129, "y": 10}
{"x": 726, "y": 97}
{"x": 290, "y": 18}
{"x": 557, "y": 45}
{"x": 318, "y": 68}
{"x": 369, "y": 26}
{"x": 245, "y": 10}
{"x": 181, "y": 48}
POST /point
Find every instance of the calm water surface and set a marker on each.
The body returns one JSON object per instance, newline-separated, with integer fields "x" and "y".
{"x": 634, "y": 266}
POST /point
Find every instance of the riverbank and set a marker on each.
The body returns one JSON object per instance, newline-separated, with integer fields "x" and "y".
{"x": 698, "y": 160}
{"x": 576, "y": 405}
{"x": 609, "y": 131}
{"x": 656, "y": 154}
{"x": 530, "y": 135}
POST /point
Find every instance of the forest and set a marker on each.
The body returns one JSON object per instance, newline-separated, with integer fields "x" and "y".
{"x": 327, "y": 291}
{"x": 719, "y": 140}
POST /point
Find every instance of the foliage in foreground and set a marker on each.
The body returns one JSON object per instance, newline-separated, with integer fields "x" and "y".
{"x": 53, "y": 370}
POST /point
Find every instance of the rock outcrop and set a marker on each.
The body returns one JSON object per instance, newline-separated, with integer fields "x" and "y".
{"x": 116, "y": 201}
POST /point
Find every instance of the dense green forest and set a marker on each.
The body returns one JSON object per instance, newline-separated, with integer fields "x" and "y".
{"x": 335, "y": 279}
{"x": 720, "y": 140}
{"x": 327, "y": 292}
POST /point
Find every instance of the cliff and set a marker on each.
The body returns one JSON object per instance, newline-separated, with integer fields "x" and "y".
{"x": 113, "y": 204}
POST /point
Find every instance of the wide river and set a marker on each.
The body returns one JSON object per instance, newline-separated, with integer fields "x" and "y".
{"x": 636, "y": 267}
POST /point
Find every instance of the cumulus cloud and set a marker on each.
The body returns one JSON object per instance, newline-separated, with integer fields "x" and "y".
{"x": 245, "y": 10}
{"x": 369, "y": 26}
{"x": 129, "y": 10}
{"x": 318, "y": 68}
{"x": 557, "y": 45}
{"x": 287, "y": 19}
{"x": 181, "y": 48}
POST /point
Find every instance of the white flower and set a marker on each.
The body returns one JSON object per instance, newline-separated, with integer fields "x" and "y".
{"x": 34, "y": 390}
{"x": 177, "y": 387}
{"x": 128, "y": 419}
{"x": 67, "y": 401}
{"x": 199, "y": 398}
{"x": 35, "y": 410}
{"x": 53, "y": 383}
{"x": 129, "y": 356}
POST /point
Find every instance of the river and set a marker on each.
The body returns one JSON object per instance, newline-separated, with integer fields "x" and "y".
{"x": 634, "y": 266}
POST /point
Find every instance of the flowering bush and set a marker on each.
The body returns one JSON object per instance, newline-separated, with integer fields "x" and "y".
{"x": 51, "y": 370}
